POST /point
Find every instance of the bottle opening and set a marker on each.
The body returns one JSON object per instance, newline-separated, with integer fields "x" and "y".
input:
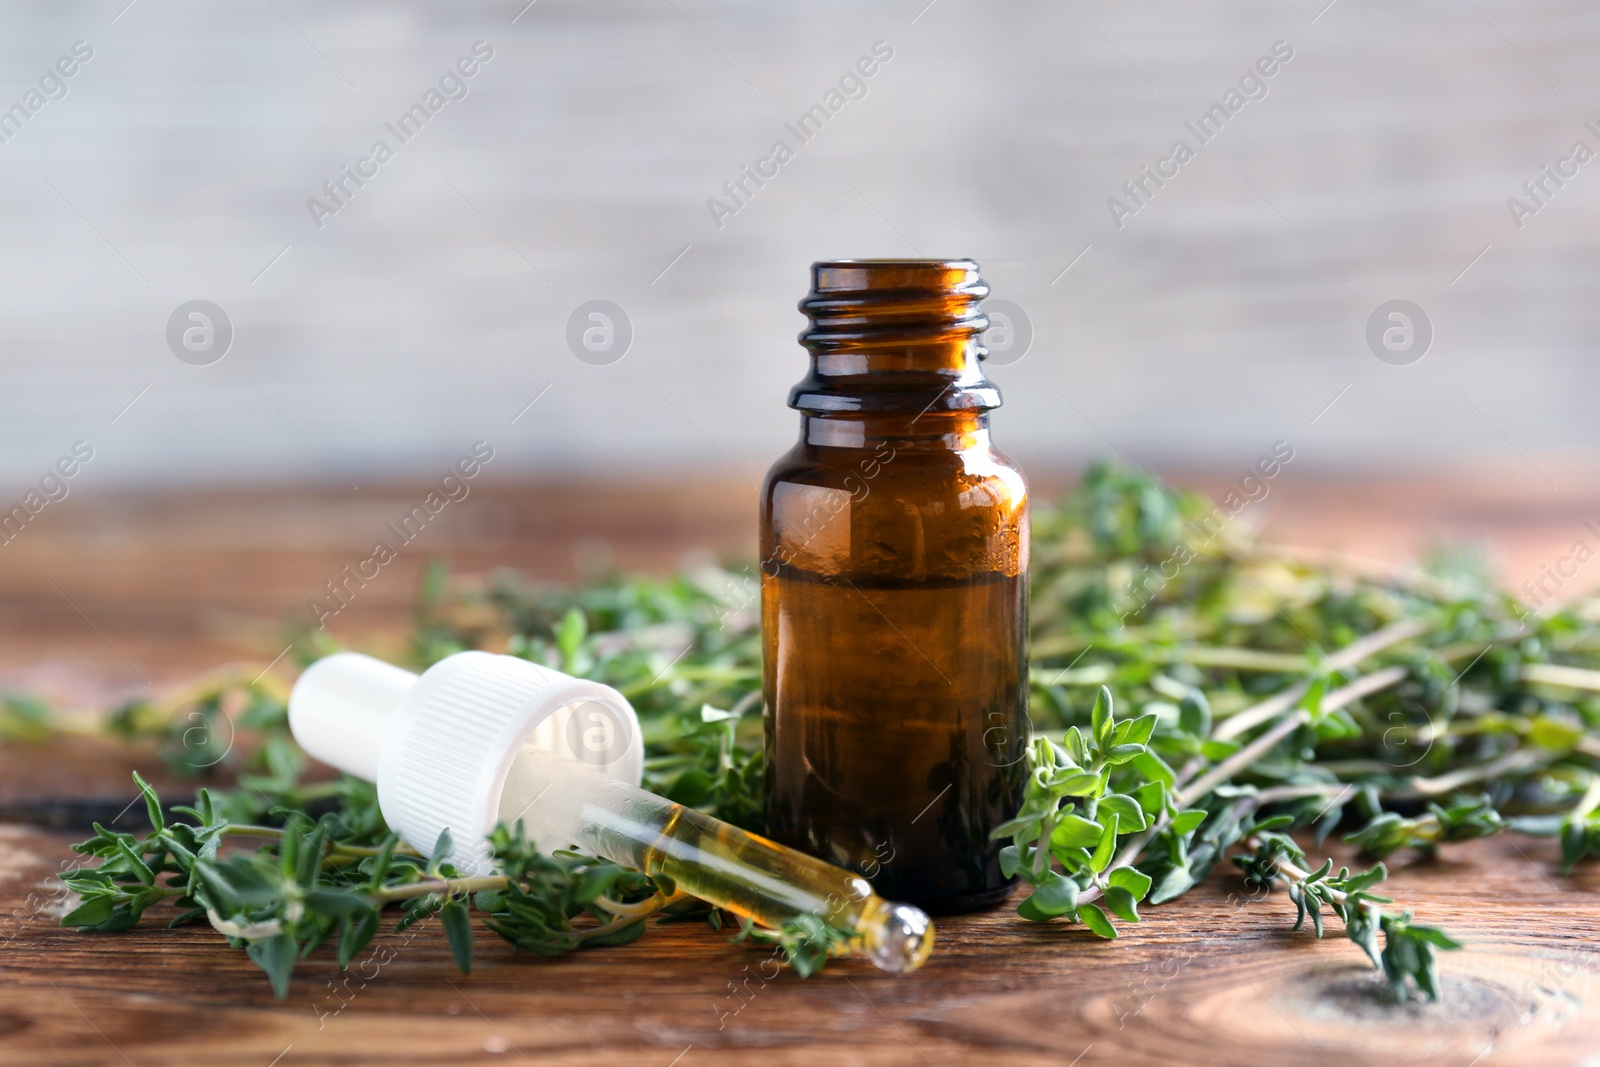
{"x": 933, "y": 275}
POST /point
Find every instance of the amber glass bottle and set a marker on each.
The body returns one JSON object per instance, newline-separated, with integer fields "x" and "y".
{"x": 894, "y": 545}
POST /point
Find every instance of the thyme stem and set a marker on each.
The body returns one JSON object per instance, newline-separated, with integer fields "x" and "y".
{"x": 447, "y": 886}
{"x": 1349, "y": 656}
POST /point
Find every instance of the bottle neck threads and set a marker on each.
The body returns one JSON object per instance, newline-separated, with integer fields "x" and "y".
{"x": 897, "y": 342}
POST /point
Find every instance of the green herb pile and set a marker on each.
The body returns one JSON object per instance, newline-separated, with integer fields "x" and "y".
{"x": 1272, "y": 693}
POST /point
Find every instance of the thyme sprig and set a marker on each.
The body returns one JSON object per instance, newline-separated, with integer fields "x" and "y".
{"x": 1407, "y": 956}
{"x": 1072, "y": 814}
{"x": 807, "y": 941}
{"x": 306, "y": 887}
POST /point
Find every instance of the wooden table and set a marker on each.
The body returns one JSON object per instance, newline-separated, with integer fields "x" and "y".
{"x": 1210, "y": 979}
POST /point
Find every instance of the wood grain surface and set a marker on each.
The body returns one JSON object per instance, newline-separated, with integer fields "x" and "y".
{"x": 1213, "y": 978}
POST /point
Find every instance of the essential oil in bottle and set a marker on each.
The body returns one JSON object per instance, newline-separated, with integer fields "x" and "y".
{"x": 894, "y": 545}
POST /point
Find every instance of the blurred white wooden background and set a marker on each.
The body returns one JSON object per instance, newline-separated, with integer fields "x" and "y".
{"x": 427, "y": 312}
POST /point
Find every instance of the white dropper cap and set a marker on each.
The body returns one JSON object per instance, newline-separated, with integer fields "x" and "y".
{"x": 439, "y": 745}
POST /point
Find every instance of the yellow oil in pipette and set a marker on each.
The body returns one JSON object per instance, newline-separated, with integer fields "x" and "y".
{"x": 572, "y": 804}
